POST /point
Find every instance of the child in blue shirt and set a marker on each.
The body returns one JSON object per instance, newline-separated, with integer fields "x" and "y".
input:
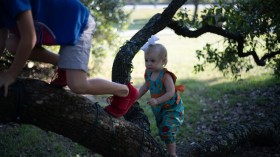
{"x": 26, "y": 25}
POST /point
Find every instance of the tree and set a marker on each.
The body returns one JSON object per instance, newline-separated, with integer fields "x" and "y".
{"x": 86, "y": 114}
{"x": 110, "y": 17}
{"x": 250, "y": 28}
{"x": 35, "y": 102}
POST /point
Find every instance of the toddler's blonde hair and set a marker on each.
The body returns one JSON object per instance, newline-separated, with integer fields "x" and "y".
{"x": 162, "y": 52}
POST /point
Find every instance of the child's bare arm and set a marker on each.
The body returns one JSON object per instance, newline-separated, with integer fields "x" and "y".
{"x": 143, "y": 89}
{"x": 26, "y": 44}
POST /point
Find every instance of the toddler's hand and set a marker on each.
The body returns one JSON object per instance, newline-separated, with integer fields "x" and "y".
{"x": 152, "y": 102}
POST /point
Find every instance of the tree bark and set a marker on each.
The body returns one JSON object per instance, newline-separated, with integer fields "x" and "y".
{"x": 35, "y": 102}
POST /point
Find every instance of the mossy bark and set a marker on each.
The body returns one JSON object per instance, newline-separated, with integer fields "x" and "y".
{"x": 35, "y": 102}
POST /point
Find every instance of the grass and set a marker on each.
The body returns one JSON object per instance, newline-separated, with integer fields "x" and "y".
{"x": 25, "y": 140}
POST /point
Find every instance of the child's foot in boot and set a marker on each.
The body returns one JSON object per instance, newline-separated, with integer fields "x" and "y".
{"x": 120, "y": 105}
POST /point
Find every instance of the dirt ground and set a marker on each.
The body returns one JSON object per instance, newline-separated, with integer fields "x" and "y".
{"x": 260, "y": 104}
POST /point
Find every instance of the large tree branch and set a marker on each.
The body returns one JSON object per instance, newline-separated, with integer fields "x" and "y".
{"x": 186, "y": 32}
{"x": 35, "y": 102}
{"x": 35, "y": 111}
{"x": 73, "y": 116}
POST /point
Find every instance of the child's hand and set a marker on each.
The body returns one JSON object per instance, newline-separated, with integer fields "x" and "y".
{"x": 152, "y": 102}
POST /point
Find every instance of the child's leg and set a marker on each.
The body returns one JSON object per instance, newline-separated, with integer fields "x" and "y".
{"x": 41, "y": 54}
{"x": 76, "y": 58}
{"x": 77, "y": 81}
{"x": 168, "y": 126}
{"x": 38, "y": 53}
{"x": 123, "y": 98}
{"x": 171, "y": 149}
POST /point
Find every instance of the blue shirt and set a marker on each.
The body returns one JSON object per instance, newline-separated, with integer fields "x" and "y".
{"x": 57, "y": 22}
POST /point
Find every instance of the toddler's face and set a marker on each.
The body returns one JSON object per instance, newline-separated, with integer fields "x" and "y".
{"x": 153, "y": 62}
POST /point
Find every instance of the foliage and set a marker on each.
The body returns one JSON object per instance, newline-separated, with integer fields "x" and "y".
{"x": 256, "y": 21}
{"x": 109, "y": 17}
{"x": 168, "y": 1}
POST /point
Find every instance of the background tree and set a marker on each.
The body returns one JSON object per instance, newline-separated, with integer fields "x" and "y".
{"x": 110, "y": 18}
{"x": 251, "y": 31}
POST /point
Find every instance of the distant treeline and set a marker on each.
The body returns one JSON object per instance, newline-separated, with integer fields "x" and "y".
{"x": 168, "y": 1}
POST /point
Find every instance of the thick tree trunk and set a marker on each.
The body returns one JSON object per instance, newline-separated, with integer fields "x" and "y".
{"x": 73, "y": 116}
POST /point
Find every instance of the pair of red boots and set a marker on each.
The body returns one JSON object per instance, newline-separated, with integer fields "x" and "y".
{"x": 118, "y": 105}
